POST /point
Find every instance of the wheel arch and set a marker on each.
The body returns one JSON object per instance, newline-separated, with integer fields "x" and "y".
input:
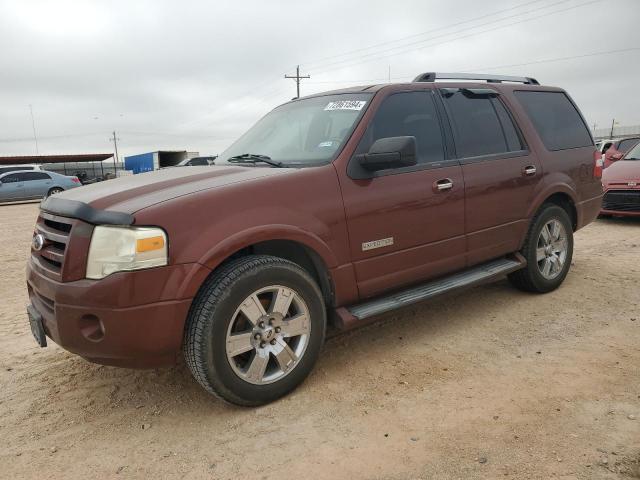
{"x": 563, "y": 200}
{"x": 55, "y": 187}
{"x": 306, "y": 250}
{"x": 560, "y": 195}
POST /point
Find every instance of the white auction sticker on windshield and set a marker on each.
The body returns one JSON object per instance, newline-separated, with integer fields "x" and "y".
{"x": 346, "y": 105}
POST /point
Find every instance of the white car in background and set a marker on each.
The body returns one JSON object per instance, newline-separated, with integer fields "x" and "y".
{"x": 15, "y": 168}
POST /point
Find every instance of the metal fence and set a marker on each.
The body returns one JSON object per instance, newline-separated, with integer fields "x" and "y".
{"x": 86, "y": 170}
{"x": 618, "y": 131}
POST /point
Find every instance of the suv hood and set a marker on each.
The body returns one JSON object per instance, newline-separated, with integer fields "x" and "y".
{"x": 129, "y": 194}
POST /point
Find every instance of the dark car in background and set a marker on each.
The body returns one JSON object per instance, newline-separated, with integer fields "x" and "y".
{"x": 197, "y": 162}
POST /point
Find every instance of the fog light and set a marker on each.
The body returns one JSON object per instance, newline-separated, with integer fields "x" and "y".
{"x": 91, "y": 328}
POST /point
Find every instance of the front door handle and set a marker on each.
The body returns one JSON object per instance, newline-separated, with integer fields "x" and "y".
{"x": 443, "y": 185}
{"x": 529, "y": 170}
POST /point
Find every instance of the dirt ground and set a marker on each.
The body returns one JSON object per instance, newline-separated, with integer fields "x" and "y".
{"x": 488, "y": 383}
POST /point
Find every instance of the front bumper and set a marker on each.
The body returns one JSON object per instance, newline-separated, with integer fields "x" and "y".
{"x": 621, "y": 202}
{"x": 130, "y": 319}
{"x": 619, "y": 213}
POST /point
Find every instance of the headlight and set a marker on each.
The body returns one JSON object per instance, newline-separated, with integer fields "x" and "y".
{"x": 114, "y": 249}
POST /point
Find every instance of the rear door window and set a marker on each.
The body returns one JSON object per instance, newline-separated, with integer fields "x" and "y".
{"x": 556, "y": 119}
{"x": 481, "y": 125}
{"x": 31, "y": 176}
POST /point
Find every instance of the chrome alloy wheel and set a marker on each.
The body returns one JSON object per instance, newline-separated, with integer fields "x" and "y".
{"x": 268, "y": 335}
{"x": 551, "y": 251}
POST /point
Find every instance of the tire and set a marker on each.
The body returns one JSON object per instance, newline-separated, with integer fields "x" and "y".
{"x": 54, "y": 191}
{"x": 226, "y": 314}
{"x": 547, "y": 263}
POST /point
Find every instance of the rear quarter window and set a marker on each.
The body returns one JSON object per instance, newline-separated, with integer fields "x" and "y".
{"x": 556, "y": 119}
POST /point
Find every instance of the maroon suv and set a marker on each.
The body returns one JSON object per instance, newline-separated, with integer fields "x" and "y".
{"x": 331, "y": 210}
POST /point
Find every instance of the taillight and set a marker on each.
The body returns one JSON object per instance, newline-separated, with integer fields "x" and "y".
{"x": 598, "y": 164}
{"x": 75, "y": 180}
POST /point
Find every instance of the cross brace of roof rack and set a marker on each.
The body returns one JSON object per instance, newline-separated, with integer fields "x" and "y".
{"x": 433, "y": 76}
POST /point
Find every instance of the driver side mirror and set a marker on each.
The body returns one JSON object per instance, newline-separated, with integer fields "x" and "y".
{"x": 616, "y": 156}
{"x": 390, "y": 152}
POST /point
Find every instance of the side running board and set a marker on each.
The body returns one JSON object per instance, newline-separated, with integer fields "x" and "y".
{"x": 352, "y": 316}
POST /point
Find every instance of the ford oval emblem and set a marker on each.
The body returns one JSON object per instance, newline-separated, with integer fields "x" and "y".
{"x": 38, "y": 242}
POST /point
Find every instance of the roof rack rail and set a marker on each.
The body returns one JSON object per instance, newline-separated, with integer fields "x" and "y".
{"x": 433, "y": 76}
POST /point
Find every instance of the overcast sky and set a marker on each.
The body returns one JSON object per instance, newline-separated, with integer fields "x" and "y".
{"x": 195, "y": 74}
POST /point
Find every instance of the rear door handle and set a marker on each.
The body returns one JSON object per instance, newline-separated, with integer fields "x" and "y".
{"x": 443, "y": 185}
{"x": 529, "y": 170}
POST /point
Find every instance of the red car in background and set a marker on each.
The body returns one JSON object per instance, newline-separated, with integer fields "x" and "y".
{"x": 621, "y": 182}
{"x": 617, "y": 149}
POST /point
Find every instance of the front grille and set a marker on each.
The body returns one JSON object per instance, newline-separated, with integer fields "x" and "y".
{"x": 622, "y": 200}
{"x": 56, "y": 231}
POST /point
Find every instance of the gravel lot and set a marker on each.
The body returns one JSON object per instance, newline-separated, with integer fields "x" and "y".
{"x": 489, "y": 383}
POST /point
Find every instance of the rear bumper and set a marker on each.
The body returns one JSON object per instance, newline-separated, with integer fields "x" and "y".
{"x": 129, "y": 319}
{"x": 588, "y": 211}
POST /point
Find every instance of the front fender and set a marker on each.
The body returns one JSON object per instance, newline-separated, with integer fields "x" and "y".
{"x": 223, "y": 250}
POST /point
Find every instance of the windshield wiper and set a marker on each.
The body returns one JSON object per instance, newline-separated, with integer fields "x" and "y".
{"x": 254, "y": 158}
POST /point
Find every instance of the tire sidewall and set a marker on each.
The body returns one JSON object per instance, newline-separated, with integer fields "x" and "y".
{"x": 549, "y": 213}
{"x": 219, "y": 370}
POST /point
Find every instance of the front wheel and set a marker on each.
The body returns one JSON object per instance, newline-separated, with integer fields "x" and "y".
{"x": 255, "y": 330}
{"x": 548, "y": 250}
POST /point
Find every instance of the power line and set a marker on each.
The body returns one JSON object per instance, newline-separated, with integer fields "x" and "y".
{"x": 559, "y": 59}
{"x": 50, "y": 137}
{"x": 338, "y": 67}
{"x": 313, "y": 63}
{"x": 263, "y": 85}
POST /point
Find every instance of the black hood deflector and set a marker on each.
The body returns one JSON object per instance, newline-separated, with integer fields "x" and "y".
{"x": 85, "y": 212}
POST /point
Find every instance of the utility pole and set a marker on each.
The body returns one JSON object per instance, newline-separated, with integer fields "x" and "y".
{"x": 114, "y": 139}
{"x": 613, "y": 122}
{"x": 33, "y": 125}
{"x": 297, "y": 78}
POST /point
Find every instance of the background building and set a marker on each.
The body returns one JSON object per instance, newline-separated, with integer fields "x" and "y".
{"x": 146, "y": 162}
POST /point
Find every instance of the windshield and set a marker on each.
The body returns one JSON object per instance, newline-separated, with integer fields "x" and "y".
{"x": 634, "y": 153}
{"x": 311, "y": 131}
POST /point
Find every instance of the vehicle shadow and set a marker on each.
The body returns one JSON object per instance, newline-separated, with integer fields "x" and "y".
{"x": 84, "y": 389}
{"x": 632, "y": 221}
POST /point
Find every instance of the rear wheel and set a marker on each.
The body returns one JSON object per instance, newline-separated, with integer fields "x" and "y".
{"x": 54, "y": 191}
{"x": 548, "y": 250}
{"x": 255, "y": 330}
